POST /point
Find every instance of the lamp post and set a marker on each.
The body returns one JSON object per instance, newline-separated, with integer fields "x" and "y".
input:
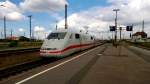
{"x": 116, "y": 10}
{"x": 30, "y": 17}
{"x": 4, "y": 23}
{"x": 4, "y": 27}
{"x": 66, "y": 23}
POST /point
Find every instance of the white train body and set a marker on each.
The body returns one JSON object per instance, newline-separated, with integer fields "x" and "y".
{"x": 61, "y": 43}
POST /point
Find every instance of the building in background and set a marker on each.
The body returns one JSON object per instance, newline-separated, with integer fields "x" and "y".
{"x": 139, "y": 37}
{"x": 148, "y": 39}
{"x": 12, "y": 38}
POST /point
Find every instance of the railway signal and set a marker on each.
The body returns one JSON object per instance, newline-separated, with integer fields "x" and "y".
{"x": 112, "y": 28}
{"x": 129, "y": 28}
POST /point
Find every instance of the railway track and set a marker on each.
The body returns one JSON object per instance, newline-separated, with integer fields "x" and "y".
{"x": 9, "y": 71}
{"x": 16, "y": 69}
{"x": 17, "y": 51}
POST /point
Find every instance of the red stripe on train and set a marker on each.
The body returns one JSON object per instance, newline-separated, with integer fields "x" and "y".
{"x": 70, "y": 47}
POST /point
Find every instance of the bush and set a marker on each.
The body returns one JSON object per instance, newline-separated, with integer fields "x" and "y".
{"x": 13, "y": 44}
{"x": 137, "y": 43}
{"x": 5, "y": 40}
{"x": 22, "y": 38}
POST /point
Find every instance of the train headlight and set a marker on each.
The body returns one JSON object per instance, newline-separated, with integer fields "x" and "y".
{"x": 48, "y": 48}
{"x": 42, "y": 49}
{"x": 51, "y": 48}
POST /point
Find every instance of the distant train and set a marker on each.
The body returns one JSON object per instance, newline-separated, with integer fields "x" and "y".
{"x": 61, "y": 43}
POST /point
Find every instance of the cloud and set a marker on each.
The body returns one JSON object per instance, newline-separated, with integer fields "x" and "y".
{"x": 43, "y": 6}
{"x": 85, "y": 19}
{"x": 39, "y": 28}
{"x": 11, "y": 11}
{"x": 15, "y": 16}
{"x": 15, "y": 13}
{"x": 99, "y": 18}
{"x": 40, "y": 32}
{"x": 21, "y": 30}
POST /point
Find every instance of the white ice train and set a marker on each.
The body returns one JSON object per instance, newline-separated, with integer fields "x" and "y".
{"x": 60, "y": 43}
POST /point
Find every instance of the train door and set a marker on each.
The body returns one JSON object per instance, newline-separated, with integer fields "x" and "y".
{"x": 78, "y": 40}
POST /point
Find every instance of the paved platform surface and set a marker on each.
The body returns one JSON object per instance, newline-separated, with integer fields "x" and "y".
{"x": 118, "y": 66}
{"x": 102, "y": 65}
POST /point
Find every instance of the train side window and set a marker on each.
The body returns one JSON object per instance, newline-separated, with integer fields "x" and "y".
{"x": 77, "y": 36}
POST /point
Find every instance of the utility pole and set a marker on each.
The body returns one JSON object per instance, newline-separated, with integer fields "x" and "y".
{"x": 120, "y": 28}
{"x": 11, "y": 33}
{"x": 132, "y": 32}
{"x": 116, "y": 10}
{"x": 112, "y": 36}
{"x": 66, "y": 24}
{"x": 32, "y": 34}
{"x": 1, "y": 34}
{"x": 4, "y": 27}
{"x": 56, "y": 25}
{"x": 30, "y": 17}
{"x": 143, "y": 26}
{"x": 24, "y": 34}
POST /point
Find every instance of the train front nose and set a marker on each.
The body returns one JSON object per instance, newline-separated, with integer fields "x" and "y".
{"x": 50, "y": 52}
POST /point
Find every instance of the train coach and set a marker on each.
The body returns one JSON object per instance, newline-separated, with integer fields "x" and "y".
{"x": 61, "y": 43}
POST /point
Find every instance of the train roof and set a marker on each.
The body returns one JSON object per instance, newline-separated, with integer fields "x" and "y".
{"x": 63, "y": 30}
{"x": 71, "y": 31}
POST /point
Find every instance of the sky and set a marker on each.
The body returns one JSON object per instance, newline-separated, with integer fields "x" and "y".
{"x": 96, "y": 15}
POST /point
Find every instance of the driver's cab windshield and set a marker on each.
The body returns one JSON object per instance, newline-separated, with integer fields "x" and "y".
{"x": 57, "y": 35}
